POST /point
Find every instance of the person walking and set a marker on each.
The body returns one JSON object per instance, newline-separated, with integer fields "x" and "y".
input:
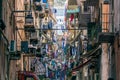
{"x": 40, "y": 70}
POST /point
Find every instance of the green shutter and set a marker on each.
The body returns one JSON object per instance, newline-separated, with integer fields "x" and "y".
{"x": 91, "y": 30}
{"x": 24, "y": 46}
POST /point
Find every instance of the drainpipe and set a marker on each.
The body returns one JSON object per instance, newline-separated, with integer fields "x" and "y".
{"x": 8, "y": 61}
{"x": 7, "y": 42}
{"x": 40, "y": 26}
{"x": 4, "y": 37}
{"x": 110, "y": 59}
{"x": 8, "y": 64}
{"x": 104, "y": 62}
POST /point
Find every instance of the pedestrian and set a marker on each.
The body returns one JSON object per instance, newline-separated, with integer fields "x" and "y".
{"x": 73, "y": 76}
{"x": 39, "y": 69}
{"x": 62, "y": 76}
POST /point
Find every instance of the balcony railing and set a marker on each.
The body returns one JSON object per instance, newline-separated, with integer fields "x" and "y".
{"x": 29, "y": 23}
{"x": 106, "y": 37}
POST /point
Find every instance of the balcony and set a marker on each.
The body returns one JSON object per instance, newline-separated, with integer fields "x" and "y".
{"x": 34, "y": 38}
{"x": 106, "y": 37}
{"x": 29, "y": 23}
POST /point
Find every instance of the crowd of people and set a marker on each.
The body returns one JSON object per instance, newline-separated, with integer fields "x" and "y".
{"x": 52, "y": 70}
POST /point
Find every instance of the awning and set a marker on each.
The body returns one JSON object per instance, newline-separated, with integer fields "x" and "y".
{"x": 80, "y": 66}
{"x": 92, "y": 52}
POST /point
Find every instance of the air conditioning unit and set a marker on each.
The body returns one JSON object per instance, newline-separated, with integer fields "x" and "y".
{"x": 106, "y": 1}
{"x": 12, "y": 46}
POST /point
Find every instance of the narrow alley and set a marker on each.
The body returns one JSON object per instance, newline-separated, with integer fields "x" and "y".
{"x": 59, "y": 39}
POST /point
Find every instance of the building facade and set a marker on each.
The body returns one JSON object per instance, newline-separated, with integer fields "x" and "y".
{"x": 116, "y": 7}
{"x": 6, "y": 34}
